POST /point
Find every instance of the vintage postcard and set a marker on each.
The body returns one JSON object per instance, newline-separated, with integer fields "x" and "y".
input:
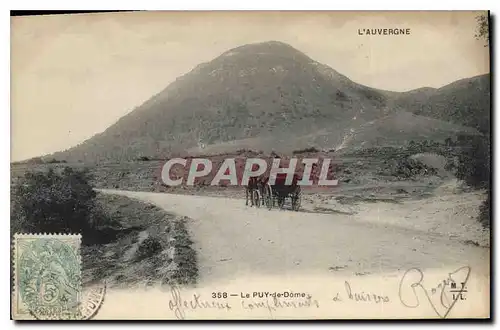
{"x": 251, "y": 165}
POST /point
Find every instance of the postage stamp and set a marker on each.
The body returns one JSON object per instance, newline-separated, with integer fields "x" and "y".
{"x": 47, "y": 282}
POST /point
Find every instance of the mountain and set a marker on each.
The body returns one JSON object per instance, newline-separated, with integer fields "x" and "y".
{"x": 462, "y": 107}
{"x": 464, "y": 102}
{"x": 263, "y": 90}
{"x": 264, "y": 96}
{"x": 401, "y": 127}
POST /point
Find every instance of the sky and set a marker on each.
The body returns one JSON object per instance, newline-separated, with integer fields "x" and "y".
{"x": 73, "y": 76}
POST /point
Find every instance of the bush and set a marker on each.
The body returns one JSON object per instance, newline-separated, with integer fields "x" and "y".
{"x": 484, "y": 212}
{"x": 55, "y": 161}
{"x": 409, "y": 168}
{"x": 53, "y": 202}
{"x": 302, "y": 151}
{"x": 474, "y": 167}
{"x": 421, "y": 146}
{"x": 474, "y": 161}
{"x": 148, "y": 248}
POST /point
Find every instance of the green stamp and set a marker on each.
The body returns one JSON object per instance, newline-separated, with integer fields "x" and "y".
{"x": 47, "y": 277}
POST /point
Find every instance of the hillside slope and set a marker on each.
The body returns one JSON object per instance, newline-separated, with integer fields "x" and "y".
{"x": 402, "y": 127}
{"x": 258, "y": 90}
{"x": 270, "y": 96}
{"x": 464, "y": 102}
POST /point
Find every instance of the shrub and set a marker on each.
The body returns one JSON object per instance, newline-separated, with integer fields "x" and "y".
{"x": 53, "y": 202}
{"x": 484, "y": 212}
{"x": 302, "y": 151}
{"x": 409, "y": 168}
{"x": 421, "y": 146}
{"x": 148, "y": 248}
{"x": 55, "y": 161}
{"x": 474, "y": 167}
{"x": 341, "y": 96}
{"x": 473, "y": 161}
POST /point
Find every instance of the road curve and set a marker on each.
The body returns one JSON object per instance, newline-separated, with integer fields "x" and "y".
{"x": 235, "y": 240}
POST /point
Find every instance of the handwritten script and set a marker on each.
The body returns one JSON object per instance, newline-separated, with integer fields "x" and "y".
{"x": 179, "y": 305}
{"x": 362, "y": 296}
{"x": 412, "y": 283}
{"x": 415, "y": 290}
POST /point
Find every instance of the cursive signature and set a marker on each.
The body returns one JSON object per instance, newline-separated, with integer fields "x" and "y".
{"x": 275, "y": 303}
{"x": 412, "y": 282}
{"x": 179, "y": 305}
{"x": 364, "y": 296}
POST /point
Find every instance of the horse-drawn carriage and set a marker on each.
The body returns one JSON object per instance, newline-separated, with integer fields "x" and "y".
{"x": 262, "y": 192}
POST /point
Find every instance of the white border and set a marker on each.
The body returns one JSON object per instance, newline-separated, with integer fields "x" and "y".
{"x": 253, "y": 5}
{"x": 187, "y": 5}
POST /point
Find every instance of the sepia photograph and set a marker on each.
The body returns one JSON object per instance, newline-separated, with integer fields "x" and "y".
{"x": 257, "y": 165}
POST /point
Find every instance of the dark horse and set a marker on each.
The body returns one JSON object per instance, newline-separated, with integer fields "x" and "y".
{"x": 258, "y": 190}
{"x": 254, "y": 188}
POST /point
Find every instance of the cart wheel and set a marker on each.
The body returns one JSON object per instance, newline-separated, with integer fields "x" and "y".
{"x": 269, "y": 197}
{"x": 281, "y": 202}
{"x": 256, "y": 198}
{"x": 296, "y": 201}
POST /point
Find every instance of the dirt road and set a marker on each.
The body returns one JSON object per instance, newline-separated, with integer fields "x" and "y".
{"x": 234, "y": 240}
